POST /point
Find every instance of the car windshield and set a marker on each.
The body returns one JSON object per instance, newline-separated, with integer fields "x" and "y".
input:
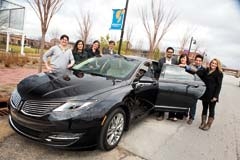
{"x": 114, "y": 66}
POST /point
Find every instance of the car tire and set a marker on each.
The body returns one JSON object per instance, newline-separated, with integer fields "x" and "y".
{"x": 112, "y": 130}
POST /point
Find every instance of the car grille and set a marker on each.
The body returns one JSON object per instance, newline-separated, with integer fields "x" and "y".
{"x": 39, "y": 108}
{"x": 16, "y": 100}
{"x": 33, "y": 107}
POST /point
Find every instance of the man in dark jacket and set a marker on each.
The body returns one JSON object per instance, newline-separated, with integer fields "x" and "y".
{"x": 198, "y": 66}
{"x": 169, "y": 60}
{"x": 110, "y": 49}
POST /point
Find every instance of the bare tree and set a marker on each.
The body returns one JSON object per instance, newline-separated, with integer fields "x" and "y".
{"x": 184, "y": 42}
{"x": 85, "y": 25}
{"x": 45, "y": 9}
{"x": 128, "y": 38}
{"x": 156, "y": 21}
{"x": 198, "y": 45}
{"x": 139, "y": 46}
{"x": 54, "y": 36}
{"x": 54, "y": 33}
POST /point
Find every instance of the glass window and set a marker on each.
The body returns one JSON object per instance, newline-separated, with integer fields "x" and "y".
{"x": 176, "y": 73}
{"x": 114, "y": 66}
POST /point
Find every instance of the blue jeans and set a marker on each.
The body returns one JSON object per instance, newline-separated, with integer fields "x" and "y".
{"x": 192, "y": 111}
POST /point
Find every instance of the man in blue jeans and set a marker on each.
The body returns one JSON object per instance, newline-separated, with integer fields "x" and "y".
{"x": 198, "y": 65}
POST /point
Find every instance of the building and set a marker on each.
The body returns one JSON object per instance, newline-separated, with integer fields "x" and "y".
{"x": 33, "y": 43}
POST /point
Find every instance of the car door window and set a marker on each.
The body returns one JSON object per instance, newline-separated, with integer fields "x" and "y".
{"x": 145, "y": 71}
{"x": 149, "y": 70}
{"x": 173, "y": 72}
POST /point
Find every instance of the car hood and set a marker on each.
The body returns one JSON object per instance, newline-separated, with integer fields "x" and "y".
{"x": 45, "y": 85}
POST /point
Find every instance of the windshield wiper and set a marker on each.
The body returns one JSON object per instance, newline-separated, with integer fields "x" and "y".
{"x": 96, "y": 74}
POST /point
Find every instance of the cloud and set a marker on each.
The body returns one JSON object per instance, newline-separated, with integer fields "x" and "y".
{"x": 215, "y": 24}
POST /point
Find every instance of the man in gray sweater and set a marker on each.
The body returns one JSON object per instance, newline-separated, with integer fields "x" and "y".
{"x": 61, "y": 57}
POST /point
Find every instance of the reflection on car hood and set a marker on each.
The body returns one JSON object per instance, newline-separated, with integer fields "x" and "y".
{"x": 45, "y": 85}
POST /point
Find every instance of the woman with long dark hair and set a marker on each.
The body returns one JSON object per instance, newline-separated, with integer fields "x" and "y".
{"x": 94, "y": 49}
{"x": 79, "y": 53}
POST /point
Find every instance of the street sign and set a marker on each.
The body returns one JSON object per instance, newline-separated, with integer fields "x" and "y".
{"x": 117, "y": 20}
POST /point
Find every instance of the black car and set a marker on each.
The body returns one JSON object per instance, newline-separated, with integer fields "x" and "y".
{"x": 92, "y": 104}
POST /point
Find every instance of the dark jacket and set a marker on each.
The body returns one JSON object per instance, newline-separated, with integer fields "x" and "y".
{"x": 80, "y": 56}
{"x": 107, "y": 51}
{"x": 91, "y": 53}
{"x": 213, "y": 83}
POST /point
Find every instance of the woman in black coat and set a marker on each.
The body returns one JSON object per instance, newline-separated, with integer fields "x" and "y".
{"x": 79, "y": 53}
{"x": 212, "y": 76}
{"x": 94, "y": 49}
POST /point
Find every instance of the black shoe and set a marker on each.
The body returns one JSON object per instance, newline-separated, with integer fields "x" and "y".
{"x": 160, "y": 118}
{"x": 190, "y": 121}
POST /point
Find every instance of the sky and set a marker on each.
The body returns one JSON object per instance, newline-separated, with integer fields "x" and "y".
{"x": 214, "y": 24}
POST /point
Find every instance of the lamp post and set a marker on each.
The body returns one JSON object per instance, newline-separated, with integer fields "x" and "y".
{"x": 192, "y": 41}
{"x": 122, "y": 32}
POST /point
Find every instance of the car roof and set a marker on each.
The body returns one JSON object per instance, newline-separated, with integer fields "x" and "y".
{"x": 136, "y": 57}
{"x": 143, "y": 59}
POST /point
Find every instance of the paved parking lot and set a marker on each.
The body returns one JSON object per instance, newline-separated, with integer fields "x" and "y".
{"x": 150, "y": 139}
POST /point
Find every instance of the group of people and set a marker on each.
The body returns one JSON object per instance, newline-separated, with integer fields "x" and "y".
{"x": 211, "y": 75}
{"x": 63, "y": 57}
{"x": 80, "y": 53}
{"x": 62, "y": 54}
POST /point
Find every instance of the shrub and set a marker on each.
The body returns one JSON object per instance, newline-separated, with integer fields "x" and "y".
{"x": 9, "y": 59}
{"x": 34, "y": 61}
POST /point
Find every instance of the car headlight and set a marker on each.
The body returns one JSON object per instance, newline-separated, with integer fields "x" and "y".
{"x": 71, "y": 109}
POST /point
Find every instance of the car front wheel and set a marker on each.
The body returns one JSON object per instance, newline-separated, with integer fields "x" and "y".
{"x": 112, "y": 130}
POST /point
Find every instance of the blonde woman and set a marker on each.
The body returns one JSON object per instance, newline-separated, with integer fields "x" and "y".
{"x": 212, "y": 77}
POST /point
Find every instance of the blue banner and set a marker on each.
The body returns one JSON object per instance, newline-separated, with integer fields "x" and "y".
{"x": 117, "y": 20}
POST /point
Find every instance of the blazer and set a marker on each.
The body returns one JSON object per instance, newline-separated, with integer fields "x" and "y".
{"x": 213, "y": 83}
{"x": 163, "y": 60}
{"x": 107, "y": 51}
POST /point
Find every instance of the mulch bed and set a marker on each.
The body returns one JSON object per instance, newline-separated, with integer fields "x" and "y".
{"x": 4, "y": 111}
{"x": 9, "y": 78}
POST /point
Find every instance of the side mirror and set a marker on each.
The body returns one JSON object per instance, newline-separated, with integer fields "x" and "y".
{"x": 137, "y": 85}
{"x": 145, "y": 79}
{"x": 134, "y": 84}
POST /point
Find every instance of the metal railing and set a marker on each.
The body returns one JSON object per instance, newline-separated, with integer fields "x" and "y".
{"x": 233, "y": 72}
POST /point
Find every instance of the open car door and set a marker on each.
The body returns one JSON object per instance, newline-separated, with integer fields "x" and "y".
{"x": 177, "y": 89}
